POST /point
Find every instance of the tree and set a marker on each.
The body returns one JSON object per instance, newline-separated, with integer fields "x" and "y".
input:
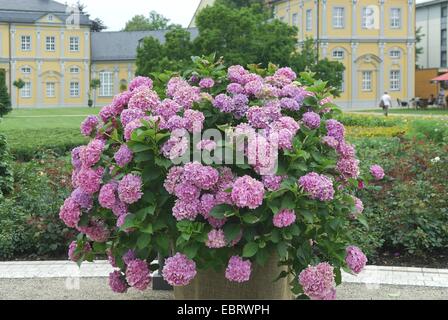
{"x": 155, "y": 21}
{"x": 149, "y": 56}
{"x": 94, "y": 85}
{"x": 305, "y": 60}
{"x": 5, "y": 101}
{"x": 19, "y": 84}
{"x": 97, "y": 25}
{"x": 243, "y": 35}
{"x": 240, "y": 3}
{"x": 418, "y": 39}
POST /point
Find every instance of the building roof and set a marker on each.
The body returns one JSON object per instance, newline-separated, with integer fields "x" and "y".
{"x": 430, "y": 3}
{"x": 116, "y": 46}
{"x": 29, "y": 11}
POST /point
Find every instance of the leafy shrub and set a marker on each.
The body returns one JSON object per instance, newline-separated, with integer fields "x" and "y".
{"x": 436, "y": 131}
{"x": 5, "y": 101}
{"x": 6, "y": 178}
{"x": 410, "y": 212}
{"x": 358, "y": 120}
{"x": 29, "y": 221}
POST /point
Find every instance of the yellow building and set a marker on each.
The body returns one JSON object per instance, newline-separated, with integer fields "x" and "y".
{"x": 51, "y": 48}
{"x": 374, "y": 39}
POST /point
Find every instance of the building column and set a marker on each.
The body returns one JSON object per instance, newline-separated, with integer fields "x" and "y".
{"x": 86, "y": 82}
{"x": 38, "y": 44}
{"x": 411, "y": 70}
{"x": 12, "y": 43}
{"x": 62, "y": 86}
{"x": 62, "y": 44}
{"x": 116, "y": 80}
{"x": 382, "y": 18}
{"x": 130, "y": 76}
{"x": 411, "y": 19}
{"x": 354, "y": 75}
{"x": 316, "y": 19}
{"x": 324, "y": 47}
{"x": 354, "y": 19}
{"x": 324, "y": 19}
{"x": 86, "y": 46}
{"x": 40, "y": 99}
{"x": 288, "y": 11}
{"x": 14, "y": 90}
{"x": 381, "y": 79}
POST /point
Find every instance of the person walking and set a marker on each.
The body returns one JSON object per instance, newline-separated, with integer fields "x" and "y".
{"x": 386, "y": 103}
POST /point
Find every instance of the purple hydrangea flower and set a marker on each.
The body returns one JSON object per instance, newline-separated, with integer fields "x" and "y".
{"x": 89, "y": 125}
{"x": 186, "y": 210}
{"x": 247, "y": 192}
{"x": 356, "y": 260}
{"x": 89, "y": 180}
{"x": 377, "y": 172}
{"x": 140, "y": 82}
{"x": 108, "y": 195}
{"x": 311, "y": 120}
{"x": 123, "y": 156}
{"x": 130, "y": 189}
{"x": 348, "y": 168}
{"x": 138, "y": 274}
{"x": 117, "y": 282}
{"x": 318, "y": 282}
{"x": 284, "y": 218}
{"x": 238, "y": 270}
{"x": 207, "y": 83}
{"x": 317, "y": 186}
{"x": 216, "y": 239}
{"x": 179, "y": 270}
{"x": 336, "y": 130}
{"x": 224, "y": 103}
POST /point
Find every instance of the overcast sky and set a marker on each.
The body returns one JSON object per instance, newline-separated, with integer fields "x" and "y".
{"x": 116, "y": 13}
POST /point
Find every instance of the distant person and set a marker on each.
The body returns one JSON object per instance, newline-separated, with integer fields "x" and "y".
{"x": 386, "y": 103}
{"x": 441, "y": 98}
{"x": 431, "y": 100}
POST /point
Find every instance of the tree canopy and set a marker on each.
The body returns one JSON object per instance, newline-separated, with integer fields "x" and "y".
{"x": 154, "y": 21}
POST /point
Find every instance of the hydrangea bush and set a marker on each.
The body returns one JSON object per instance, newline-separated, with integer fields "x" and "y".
{"x": 282, "y": 182}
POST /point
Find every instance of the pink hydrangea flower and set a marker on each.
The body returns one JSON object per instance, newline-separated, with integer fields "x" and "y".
{"x": 129, "y": 115}
{"x": 144, "y": 99}
{"x": 311, "y": 120}
{"x": 207, "y": 83}
{"x": 130, "y": 189}
{"x": 173, "y": 178}
{"x": 235, "y": 88}
{"x": 335, "y": 129}
{"x": 224, "y": 103}
{"x": 108, "y": 195}
{"x": 76, "y": 256}
{"x": 216, "y": 239}
{"x": 89, "y": 180}
{"x": 237, "y": 74}
{"x": 248, "y": 192}
{"x": 187, "y": 191}
{"x": 207, "y": 145}
{"x": 97, "y": 231}
{"x": 139, "y": 82}
{"x": 330, "y": 141}
{"x": 284, "y": 218}
{"x": 186, "y": 210}
{"x": 348, "y": 168}
{"x": 91, "y": 154}
{"x": 89, "y": 125}
{"x": 377, "y": 172}
{"x": 129, "y": 256}
{"x": 84, "y": 200}
{"x": 179, "y": 270}
{"x": 317, "y": 186}
{"x": 356, "y": 260}
{"x": 194, "y": 120}
{"x": 318, "y": 282}
{"x": 123, "y": 156}
{"x": 238, "y": 270}
{"x": 117, "y": 282}
{"x": 286, "y": 73}
{"x": 359, "y": 208}
{"x": 70, "y": 213}
{"x": 138, "y": 275}
{"x": 272, "y": 182}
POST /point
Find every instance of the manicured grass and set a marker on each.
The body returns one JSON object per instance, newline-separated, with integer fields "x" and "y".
{"x": 32, "y": 130}
{"x": 429, "y": 111}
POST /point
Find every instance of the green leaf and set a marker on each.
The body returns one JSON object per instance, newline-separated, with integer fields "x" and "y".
{"x": 99, "y": 247}
{"x": 282, "y": 249}
{"x": 219, "y": 212}
{"x": 250, "y": 249}
{"x": 338, "y": 276}
{"x": 139, "y": 147}
{"x": 250, "y": 218}
{"x": 143, "y": 240}
{"x": 163, "y": 242}
{"x": 191, "y": 251}
{"x": 232, "y": 231}
{"x": 147, "y": 229}
{"x": 362, "y": 219}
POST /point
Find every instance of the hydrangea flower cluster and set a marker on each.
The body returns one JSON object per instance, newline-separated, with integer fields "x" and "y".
{"x": 318, "y": 282}
{"x": 126, "y": 183}
{"x": 356, "y": 260}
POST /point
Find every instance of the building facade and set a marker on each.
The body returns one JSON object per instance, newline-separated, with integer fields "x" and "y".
{"x": 374, "y": 39}
{"x": 51, "y": 48}
{"x": 432, "y": 18}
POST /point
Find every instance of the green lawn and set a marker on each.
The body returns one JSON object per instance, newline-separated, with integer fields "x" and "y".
{"x": 31, "y": 130}
{"x": 430, "y": 111}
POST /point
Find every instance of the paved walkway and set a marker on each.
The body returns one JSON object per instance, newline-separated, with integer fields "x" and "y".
{"x": 372, "y": 275}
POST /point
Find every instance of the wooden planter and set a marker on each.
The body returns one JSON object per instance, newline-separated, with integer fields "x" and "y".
{"x": 261, "y": 286}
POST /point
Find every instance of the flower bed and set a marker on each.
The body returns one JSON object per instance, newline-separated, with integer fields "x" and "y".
{"x": 158, "y": 178}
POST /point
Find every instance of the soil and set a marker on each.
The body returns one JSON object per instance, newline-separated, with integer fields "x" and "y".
{"x": 438, "y": 260}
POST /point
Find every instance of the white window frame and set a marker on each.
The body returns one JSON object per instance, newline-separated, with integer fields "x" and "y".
{"x": 74, "y": 89}
{"x": 74, "y": 70}
{"x": 26, "y": 70}
{"x": 366, "y": 80}
{"x": 395, "y": 20}
{"x": 74, "y": 44}
{"x": 26, "y": 91}
{"x": 395, "y": 54}
{"x": 338, "y": 17}
{"x": 50, "y": 43}
{"x": 295, "y": 19}
{"x": 25, "y": 43}
{"x": 336, "y": 54}
{"x": 50, "y": 17}
{"x": 364, "y": 18}
{"x": 107, "y": 84}
{"x": 395, "y": 80}
{"x": 50, "y": 89}
{"x": 309, "y": 20}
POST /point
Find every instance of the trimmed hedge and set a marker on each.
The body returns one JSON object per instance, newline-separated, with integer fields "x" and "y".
{"x": 6, "y": 175}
